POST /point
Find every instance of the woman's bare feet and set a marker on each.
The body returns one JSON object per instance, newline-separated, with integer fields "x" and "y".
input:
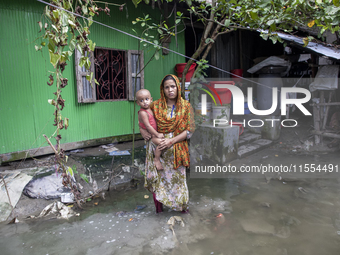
{"x": 158, "y": 164}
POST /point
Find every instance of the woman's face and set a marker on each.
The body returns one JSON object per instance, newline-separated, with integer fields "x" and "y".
{"x": 170, "y": 89}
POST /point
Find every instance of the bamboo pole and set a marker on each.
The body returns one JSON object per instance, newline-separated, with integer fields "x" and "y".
{"x": 321, "y": 133}
{"x": 49, "y": 142}
{"x": 327, "y": 110}
{"x": 316, "y": 120}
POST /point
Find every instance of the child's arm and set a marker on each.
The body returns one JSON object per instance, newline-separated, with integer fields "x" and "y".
{"x": 146, "y": 135}
{"x": 144, "y": 118}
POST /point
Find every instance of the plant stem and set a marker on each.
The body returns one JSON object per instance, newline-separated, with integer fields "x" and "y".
{"x": 9, "y": 199}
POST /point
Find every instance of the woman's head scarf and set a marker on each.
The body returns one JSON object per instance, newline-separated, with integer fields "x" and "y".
{"x": 182, "y": 121}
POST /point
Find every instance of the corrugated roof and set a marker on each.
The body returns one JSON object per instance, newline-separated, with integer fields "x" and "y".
{"x": 328, "y": 51}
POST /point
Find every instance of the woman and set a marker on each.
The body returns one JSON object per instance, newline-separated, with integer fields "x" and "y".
{"x": 174, "y": 117}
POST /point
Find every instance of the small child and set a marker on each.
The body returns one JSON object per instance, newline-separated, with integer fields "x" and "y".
{"x": 147, "y": 121}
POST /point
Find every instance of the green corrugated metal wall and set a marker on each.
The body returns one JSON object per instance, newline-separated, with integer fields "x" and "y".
{"x": 24, "y": 111}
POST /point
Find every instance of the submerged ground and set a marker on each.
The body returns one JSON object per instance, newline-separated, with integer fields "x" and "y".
{"x": 278, "y": 213}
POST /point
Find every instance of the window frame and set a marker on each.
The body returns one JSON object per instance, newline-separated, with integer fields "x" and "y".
{"x": 79, "y": 78}
{"x": 129, "y": 76}
{"x": 132, "y": 75}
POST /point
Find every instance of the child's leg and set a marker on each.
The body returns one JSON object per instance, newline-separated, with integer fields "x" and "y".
{"x": 158, "y": 152}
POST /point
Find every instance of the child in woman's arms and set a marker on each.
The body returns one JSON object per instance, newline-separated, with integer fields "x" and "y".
{"x": 147, "y": 121}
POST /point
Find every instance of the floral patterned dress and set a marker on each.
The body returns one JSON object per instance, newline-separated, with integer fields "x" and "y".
{"x": 169, "y": 185}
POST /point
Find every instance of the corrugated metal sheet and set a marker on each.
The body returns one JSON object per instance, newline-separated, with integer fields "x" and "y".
{"x": 227, "y": 51}
{"x": 24, "y": 111}
{"x": 328, "y": 51}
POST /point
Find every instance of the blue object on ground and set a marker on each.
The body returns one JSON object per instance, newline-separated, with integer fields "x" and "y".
{"x": 119, "y": 153}
{"x": 140, "y": 207}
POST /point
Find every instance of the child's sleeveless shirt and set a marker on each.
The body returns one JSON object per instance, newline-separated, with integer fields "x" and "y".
{"x": 152, "y": 120}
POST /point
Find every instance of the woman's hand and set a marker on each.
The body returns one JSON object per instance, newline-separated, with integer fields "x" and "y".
{"x": 146, "y": 135}
{"x": 166, "y": 143}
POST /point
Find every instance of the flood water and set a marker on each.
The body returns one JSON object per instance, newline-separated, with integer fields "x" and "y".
{"x": 264, "y": 215}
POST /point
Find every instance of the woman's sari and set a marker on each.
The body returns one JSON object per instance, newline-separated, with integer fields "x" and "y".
{"x": 169, "y": 185}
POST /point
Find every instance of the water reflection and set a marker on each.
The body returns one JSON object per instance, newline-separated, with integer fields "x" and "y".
{"x": 228, "y": 216}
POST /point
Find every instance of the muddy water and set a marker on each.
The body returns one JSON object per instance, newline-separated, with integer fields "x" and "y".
{"x": 269, "y": 214}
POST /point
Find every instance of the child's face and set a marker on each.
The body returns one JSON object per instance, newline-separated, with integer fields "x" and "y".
{"x": 144, "y": 100}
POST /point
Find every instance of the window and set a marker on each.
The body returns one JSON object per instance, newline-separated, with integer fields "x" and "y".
{"x": 116, "y": 71}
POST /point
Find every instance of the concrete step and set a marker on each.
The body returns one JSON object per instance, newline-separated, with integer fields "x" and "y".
{"x": 252, "y": 147}
{"x": 248, "y": 137}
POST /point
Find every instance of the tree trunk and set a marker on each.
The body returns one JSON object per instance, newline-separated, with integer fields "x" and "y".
{"x": 201, "y": 47}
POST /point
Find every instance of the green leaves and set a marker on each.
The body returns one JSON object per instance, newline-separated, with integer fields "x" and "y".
{"x": 54, "y": 58}
{"x": 70, "y": 171}
{"x": 84, "y": 177}
{"x": 64, "y": 18}
{"x": 209, "y": 40}
{"x": 84, "y": 61}
{"x": 62, "y": 29}
{"x": 227, "y": 22}
{"x": 65, "y": 56}
{"x": 84, "y": 9}
{"x": 40, "y": 25}
{"x": 66, "y": 4}
{"x": 55, "y": 14}
{"x": 306, "y": 40}
{"x": 136, "y": 2}
{"x": 92, "y": 45}
{"x": 89, "y": 77}
{"x": 80, "y": 50}
{"x": 157, "y": 55}
{"x": 72, "y": 44}
{"x": 71, "y": 23}
{"x": 253, "y": 15}
{"x": 66, "y": 123}
{"x": 37, "y": 48}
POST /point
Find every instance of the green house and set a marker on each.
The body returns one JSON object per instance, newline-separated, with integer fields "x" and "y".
{"x": 97, "y": 114}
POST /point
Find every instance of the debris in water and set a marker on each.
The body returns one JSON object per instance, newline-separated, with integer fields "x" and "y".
{"x": 172, "y": 222}
{"x": 264, "y": 204}
{"x": 126, "y": 169}
{"x": 302, "y": 190}
{"x": 67, "y": 197}
{"x": 140, "y": 207}
{"x": 122, "y": 213}
{"x": 111, "y": 149}
{"x": 58, "y": 209}
{"x": 146, "y": 196}
{"x": 13, "y": 221}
